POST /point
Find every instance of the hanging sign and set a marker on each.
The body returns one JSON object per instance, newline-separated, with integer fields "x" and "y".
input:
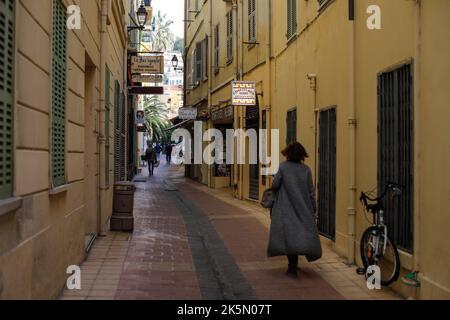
{"x": 147, "y": 65}
{"x": 140, "y": 117}
{"x": 187, "y": 113}
{"x": 147, "y": 78}
{"x": 243, "y": 93}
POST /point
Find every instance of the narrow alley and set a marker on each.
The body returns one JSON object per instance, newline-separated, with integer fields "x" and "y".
{"x": 191, "y": 242}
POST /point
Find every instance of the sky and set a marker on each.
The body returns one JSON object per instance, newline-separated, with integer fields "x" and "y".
{"x": 175, "y": 12}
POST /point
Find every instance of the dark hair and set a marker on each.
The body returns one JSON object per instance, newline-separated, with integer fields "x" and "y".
{"x": 295, "y": 152}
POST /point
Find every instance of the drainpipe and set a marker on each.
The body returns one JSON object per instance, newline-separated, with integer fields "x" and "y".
{"x": 101, "y": 118}
{"x": 417, "y": 100}
{"x": 313, "y": 85}
{"x": 210, "y": 60}
{"x": 351, "y": 211}
{"x": 268, "y": 93}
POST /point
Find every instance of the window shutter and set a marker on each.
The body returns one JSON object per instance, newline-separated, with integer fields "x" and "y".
{"x": 198, "y": 62}
{"x": 230, "y": 36}
{"x": 6, "y": 95}
{"x": 107, "y": 120}
{"x": 205, "y": 58}
{"x": 59, "y": 85}
{"x": 291, "y": 18}
{"x": 123, "y": 137}
{"x": 117, "y": 131}
{"x": 216, "y": 48}
{"x": 252, "y": 20}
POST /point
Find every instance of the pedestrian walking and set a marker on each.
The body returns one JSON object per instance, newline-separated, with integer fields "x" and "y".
{"x": 150, "y": 156}
{"x": 169, "y": 149}
{"x": 293, "y": 230}
{"x": 158, "y": 151}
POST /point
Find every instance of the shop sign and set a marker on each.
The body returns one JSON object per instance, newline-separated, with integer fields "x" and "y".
{"x": 147, "y": 78}
{"x": 187, "y": 113}
{"x": 223, "y": 114}
{"x": 243, "y": 93}
{"x": 147, "y": 65}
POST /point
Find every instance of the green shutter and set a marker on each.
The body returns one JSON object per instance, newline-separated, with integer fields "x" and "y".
{"x": 6, "y": 95}
{"x": 107, "y": 121}
{"x": 117, "y": 132}
{"x": 59, "y": 84}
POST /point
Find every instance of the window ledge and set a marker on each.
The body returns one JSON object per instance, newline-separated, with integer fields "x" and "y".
{"x": 291, "y": 39}
{"x": 10, "y": 205}
{"x": 58, "y": 190}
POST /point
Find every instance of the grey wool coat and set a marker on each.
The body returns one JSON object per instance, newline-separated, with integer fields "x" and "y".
{"x": 293, "y": 228}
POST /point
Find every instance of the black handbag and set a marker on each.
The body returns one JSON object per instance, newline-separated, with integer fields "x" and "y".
{"x": 268, "y": 199}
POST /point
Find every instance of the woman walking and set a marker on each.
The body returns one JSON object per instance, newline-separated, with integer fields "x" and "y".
{"x": 293, "y": 230}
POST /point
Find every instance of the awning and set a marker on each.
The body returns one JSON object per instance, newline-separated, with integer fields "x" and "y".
{"x": 181, "y": 124}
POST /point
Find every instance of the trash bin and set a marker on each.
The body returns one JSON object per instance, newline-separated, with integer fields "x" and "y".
{"x": 122, "y": 218}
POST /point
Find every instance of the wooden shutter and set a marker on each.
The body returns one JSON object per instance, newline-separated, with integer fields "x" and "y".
{"x": 117, "y": 132}
{"x": 230, "y": 36}
{"x": 291, "y": 126}
{"x": 198, "y": 62}
{"x": 123, "y": 137}
{"x": 6, "y": 95}
{"x": 205, "y": 58}
{"x": 251, "y": 20}
{"x": 216, "y": 48}
{"x": 107, "y": 120}
{"x": 59, "y": 85}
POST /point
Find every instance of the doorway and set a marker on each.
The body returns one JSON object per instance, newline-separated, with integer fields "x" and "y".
{"x": 90, "y": 155}
{"x": 327, "y": 173}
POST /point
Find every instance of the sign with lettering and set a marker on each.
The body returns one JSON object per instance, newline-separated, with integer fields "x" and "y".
{"x": 187, "y": 113}
{"x": 243, "y": 93}
{"x": 147, "y": 65}
{"x": 147, "y": 78}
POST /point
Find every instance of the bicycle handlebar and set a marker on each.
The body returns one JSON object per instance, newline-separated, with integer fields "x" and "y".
{"x": 364, "y": 198}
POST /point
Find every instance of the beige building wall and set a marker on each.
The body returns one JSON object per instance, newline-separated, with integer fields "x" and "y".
{"x": 328, "y": 46}
{"x": 47, "y": 233}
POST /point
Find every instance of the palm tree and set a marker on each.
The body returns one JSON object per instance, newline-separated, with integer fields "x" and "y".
{"x": 163, "y": 38}
{"x": 156, "y": 118}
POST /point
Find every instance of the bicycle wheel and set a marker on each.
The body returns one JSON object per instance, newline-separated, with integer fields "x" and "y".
{"x": 389, "y": 263}
{"x": 366, "y": 250}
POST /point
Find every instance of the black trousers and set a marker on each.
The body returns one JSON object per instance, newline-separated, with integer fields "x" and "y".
{"x": 293, "y": 260}
{"x": 169, "y": 158}
{"x": 151, "y": 167}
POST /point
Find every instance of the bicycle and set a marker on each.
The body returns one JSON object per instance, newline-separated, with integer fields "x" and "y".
{"x": 376, "y": 247}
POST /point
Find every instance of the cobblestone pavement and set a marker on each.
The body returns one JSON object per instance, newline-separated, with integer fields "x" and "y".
{"x": 192, "y": 242}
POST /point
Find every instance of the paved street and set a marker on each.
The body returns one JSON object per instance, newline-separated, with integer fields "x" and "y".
{"x": 191, "y": 242}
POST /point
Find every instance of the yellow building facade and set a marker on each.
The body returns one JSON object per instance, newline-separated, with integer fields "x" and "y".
{"x": 362, "y": 84}
{"x": 66, "y": 98}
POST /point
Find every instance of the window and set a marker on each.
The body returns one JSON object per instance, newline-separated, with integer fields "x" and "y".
{"x": 59, "y": 85}
{"x": 205, "y": 59}
{"x": 327, "y": 173}
{"x": 230, "y": 36}
{"x": 395, "y": 150}
{"x": 216, "y": 48}
{"x": 107, "y": 120}
{"x": 198, "y": 62}
{"x": 291, "y": 18}
{"x": 119, "y": 134}
{"x": 6, "y": 95}
{"x": 291, "y": 126}
{"x": 322, "y": 3}
{"x": 252, "y": 20}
